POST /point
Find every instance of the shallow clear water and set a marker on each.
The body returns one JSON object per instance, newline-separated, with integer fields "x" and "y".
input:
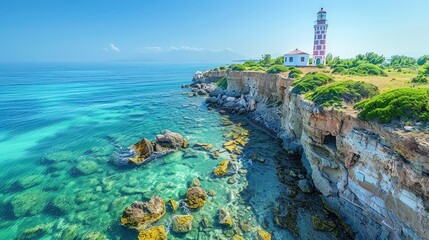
{"x": 54, "y": 116}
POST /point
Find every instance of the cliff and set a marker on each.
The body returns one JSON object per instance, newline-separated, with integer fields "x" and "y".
{"x": 375, "y": 176}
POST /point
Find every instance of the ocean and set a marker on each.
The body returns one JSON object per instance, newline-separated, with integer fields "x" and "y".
{"x": 63, "y": 128}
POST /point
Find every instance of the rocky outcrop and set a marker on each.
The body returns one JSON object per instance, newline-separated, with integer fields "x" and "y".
{"x": 139, "y": 215}
{"x": 196, "y": 197}
{"x": 145, "y": 151}
{"x": 375, "y": 176}
{"x": 182, "y": 223}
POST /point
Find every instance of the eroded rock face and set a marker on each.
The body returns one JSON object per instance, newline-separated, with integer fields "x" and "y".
{"x": 141, "y": 214}
{"x": 196, "y": 197}
{"x": 375, "y": 176}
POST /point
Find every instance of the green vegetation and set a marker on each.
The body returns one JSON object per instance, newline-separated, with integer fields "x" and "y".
{"x": 310, "y": 82}
{"x": 420, "y": 79}
{"x": 336, "y": 93}
{"x": 223, "y": 83}
{"x": 238, "y": 67}
{"x": 363, "y": 65}
{"x": 277, "y": 69}
{"x": 425, "y": 69}
{"x": 402, "y": 62}
{"x": 223, "y": 68}
{"x": 294, "y": 72}
{"x": 422, "y": 60}
{"x": 405, "y": 104}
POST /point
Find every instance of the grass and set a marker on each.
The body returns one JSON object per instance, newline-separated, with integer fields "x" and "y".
{"x": 223, "y": 83}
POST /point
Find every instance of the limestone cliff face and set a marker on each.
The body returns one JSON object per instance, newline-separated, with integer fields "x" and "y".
{"x": 376, "y": 177}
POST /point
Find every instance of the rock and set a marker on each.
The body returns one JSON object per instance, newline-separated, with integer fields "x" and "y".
{"x": 245, "y": 226}
{"x": 168, "y": 141}
{"x": 182, "y": 223}
{"x": 86, "y": 167}
{"x": 242, "y": 171}
{"x": 143, "y": 150}
{"x": 237, "y": 237}
{"x": 292, "y": 173}
{"x": 31, "y": 181}
{"x": 30, "y": 202}
{"x": 291, "y": 191}
{"x": 222, "y": 168}
{"x": 252, "y": 105}
{"x": 224, "y": 218}
{"x": 190, "y": 153}
{"x": 322, "y": 225}
{"x": 141, "y": 214}
{"x": 35, "y": 232}
{"x": 263, "y": 235}
{"x": 131, "y": 190}
{"x": 408, "y": 128}
{"x": 203, "y": 146}
{"x": 201, "y": 92}
{"x": 196, "y": 197}
{"x": 174, "y": 205}
{"x": 198, "y": 77}
{"x": 63, "y": 203}
{"x": 232, "y": 180}
{"x": 195, "y": 183}
{"x": 153, "y": 233}
{"x": 305, "y": 185}
{"x": 230, "y": 99}
{"x": 230, "y": 146}
{"x": 70, "y": 232}
{"x": 215, "y": 155}
{"x": 211, "y": 193}
{"x": 95, "y": 236}
{"x": 60, "y": 156}
{"x": 211, "y": 100}
{"x": 185, "y": 143}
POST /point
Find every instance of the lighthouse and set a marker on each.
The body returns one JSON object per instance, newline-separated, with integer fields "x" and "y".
{"x": 320, "y": 28}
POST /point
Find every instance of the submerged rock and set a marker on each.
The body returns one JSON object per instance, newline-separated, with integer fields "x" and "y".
{"x": 263, "y": 235}
{"x": 174, "y": 205}
{"x": 196, "y": 197}
{"x": 182, "y": 223}
{"x": 86, "y": 167}
{"x": 169, "y": 141}
{"x": 141, "y": 214}
{"x": 35, "y": 232}
{"x": 60, "y": 156}
{"x": 225, "y": 218}
{"x": 95, "y": 236}
{"x": 224, "y": 168}
{"x": 203, "y": 146}
{"x": 153, "y": 233}
{"x": 305, "y": 185}
{"x": 30, "y": 202}
{"x": 31, "y": 181}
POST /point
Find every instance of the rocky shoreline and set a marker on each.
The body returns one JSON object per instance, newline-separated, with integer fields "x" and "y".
{"x": 375, "y": 177}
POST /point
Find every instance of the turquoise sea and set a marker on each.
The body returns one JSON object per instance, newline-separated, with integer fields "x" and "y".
{"x": 54, "y": 117}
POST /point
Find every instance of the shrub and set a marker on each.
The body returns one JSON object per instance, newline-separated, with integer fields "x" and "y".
{"x": 250, "y": 64}
{"x": 346, "y": 91}
{"x": 223, "y": 68}
{"x": 320, "y": 66}
{"x": 422, "y": 60}
{"x": 425, "y": 69}
{"x": 402, "y": 61}
{"x": 310, "y": 82}
{"x": 420, "y": 79}
{"x": 277, "y": 69}
{"x": 223, "y": 83}
{"x": 295, "y": 73}
{"x": 398, "y": 104}
{"x": 237, "y": 67}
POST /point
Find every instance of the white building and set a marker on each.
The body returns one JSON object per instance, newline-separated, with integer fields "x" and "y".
{"x": 296, "y": 58}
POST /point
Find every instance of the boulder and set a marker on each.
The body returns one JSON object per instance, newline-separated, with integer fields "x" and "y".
{"x": 225, "y": 218}
{"x": 211, "y": 100}
{"x": 225, "y": 168}
{"x": 31, "y": 181}
{"x": 182, "y": 223}
{"x": 201, "y": 92}
{"x": 305, "y": 185}
{"x": 230, "y": 99}
{"x": 30, "y": 202}
{"x": 141, "y": 214}
{"x": 36, "y": 232}
{"x": 143, "y": 150}
{"x": 153, "y": 233}
{"x": 174, "y": 205}
{"x": 263, "y": 235}
{"x": 203, "y": 146}
{"x": 198, "y": 77}
{"x": 196, "y": 197}
{"x": 86, "y": 167}
{"x": 168, "y": 141}
{"x": 252, "y": 105}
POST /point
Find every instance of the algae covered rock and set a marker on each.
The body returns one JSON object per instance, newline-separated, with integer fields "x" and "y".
{"x": 86, "y": 167}
{"x": 35, "y": 232}
{"x": 225, "y": 167}
{"x": 95, "y": 236}
{"x": 153, "y": 233}
{"x": 31, "y": 181}
{"x": 322, "y": 225}
{"x": 225, "y": 218}
{"x": 196, "y": 197}
{"x": 30, "y": 202}
{"x": 60, "y": 156}
{"x": 237, "y": 237}
{"x": 143, "y": 150}
{"x": 141, "y": 214}
{"x": 263, "y": 235}
{"x": 174, "y": 205}
{"x": 182, "y": 223}
{"x": 203, "y": 146}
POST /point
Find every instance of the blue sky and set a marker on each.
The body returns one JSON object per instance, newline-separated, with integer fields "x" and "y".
{"x": 204, "y": 30}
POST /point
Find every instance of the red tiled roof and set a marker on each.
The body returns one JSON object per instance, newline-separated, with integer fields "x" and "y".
{"x": 296, "y": 51}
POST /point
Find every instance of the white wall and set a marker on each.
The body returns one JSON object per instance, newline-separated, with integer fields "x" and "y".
{"x": 296, "y": 60}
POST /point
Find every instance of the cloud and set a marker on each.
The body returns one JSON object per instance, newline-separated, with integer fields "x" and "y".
{"x": 112, "y": 48}
{"x": 182, "y": 48}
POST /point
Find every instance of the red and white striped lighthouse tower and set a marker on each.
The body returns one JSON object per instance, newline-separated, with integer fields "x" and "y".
{"x": 319, "y": 49}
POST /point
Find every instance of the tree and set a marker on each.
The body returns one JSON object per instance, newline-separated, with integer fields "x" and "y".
{"x": 279, "y": 60}
{"x": 402, "y": 61}
{"x": 422, "y": 60}
{"x": 425, "y": 69}
{"x": 266, "y": 59}
{"x": 371, "y": 57}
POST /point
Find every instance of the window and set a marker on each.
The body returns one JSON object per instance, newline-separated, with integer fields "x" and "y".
{"x": 285, "y": 59}
{"x": 302, "y": 59}
{"x": 290, "y": 59}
